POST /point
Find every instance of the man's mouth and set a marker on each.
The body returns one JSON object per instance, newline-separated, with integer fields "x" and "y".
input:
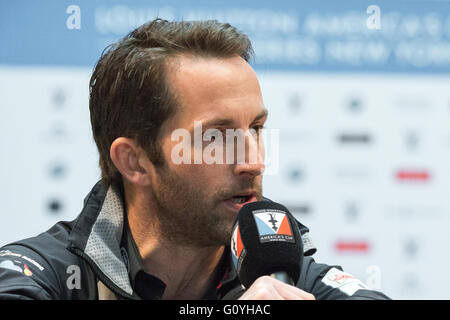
{"x": 236, "y": 202}
{"x": 241, "y": 199}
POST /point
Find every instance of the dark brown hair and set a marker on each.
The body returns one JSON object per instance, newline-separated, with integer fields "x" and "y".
{"x": 129, "y": 96}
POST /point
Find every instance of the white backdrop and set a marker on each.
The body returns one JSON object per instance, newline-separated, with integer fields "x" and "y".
{"x": 388, "y": 230}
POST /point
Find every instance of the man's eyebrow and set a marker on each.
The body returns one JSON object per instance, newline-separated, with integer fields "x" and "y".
{"x": 222, "y": 122}
{"x": 217, "y": 122}
{"x": 261, "y": 115}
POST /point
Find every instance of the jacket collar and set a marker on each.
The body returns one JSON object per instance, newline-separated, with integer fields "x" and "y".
{"x": 98, "y": 232}
{"x": 97, "y": 235}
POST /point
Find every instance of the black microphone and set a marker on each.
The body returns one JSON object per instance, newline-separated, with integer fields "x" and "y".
{"x": 266, "y": 240}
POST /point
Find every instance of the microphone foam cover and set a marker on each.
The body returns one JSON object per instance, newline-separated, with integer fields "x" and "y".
{"x": 266, "y": 239}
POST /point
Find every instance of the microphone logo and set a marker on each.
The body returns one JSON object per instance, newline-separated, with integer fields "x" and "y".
{"x": 273, "y": 225}
{"x": 273, "y": 221}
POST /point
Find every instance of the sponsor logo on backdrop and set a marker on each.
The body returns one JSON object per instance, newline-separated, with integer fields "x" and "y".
{"x": 410, "y": 248}
{"x": 411, "y": 140}
{"x": 55, "y": 206}
{"x": 58, "y": 97}
{"x": 296, "y": 174}
{"x": 354, "y": 138}
{"x": 299, "y": 208}
{"x": 415, "y": 211}
{"x": 355, "y": 105}
{"x": 352, "y": 246}
{"x": 352, "y": 211}
{"x": 57, "y": 170}
{"x": 353, "y": 172}
{"x": 412, "y": 175}
{"x": 295, "y": 104}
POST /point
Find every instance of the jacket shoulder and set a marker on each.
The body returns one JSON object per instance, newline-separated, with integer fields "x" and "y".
{"x": 40, "y": 267}
{"x": 330, "y": 282}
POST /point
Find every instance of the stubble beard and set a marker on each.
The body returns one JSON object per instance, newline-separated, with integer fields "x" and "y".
{"x": 191, "y": 217}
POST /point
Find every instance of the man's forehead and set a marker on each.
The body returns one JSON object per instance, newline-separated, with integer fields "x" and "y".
{"x": 189, "y": 62}
{"x": 187, "y": 73}
{"x": 210, "y": 87}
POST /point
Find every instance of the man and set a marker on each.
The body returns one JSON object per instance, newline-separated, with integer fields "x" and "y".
{"x": 154, "y": 228}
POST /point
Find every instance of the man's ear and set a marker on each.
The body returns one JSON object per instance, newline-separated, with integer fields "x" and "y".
{"x": 131, "y": 161}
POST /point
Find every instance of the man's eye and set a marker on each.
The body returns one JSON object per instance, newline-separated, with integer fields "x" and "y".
{"x": 258, "y": 127}
{"x": 212, "y": 135}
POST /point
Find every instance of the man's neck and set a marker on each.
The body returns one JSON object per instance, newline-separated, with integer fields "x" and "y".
{"x": 187, "y": 271}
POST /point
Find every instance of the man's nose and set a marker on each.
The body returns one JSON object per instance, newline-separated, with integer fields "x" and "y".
{"x": 252, "y": 162}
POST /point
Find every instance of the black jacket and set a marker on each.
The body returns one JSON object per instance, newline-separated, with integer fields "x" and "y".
{"x": 87, "y": 259}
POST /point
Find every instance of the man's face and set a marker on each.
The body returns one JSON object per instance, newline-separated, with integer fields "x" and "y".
{"x": 198, "y": 202}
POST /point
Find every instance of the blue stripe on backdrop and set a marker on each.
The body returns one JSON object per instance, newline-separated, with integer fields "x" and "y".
{"x": 413, "y": 36}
